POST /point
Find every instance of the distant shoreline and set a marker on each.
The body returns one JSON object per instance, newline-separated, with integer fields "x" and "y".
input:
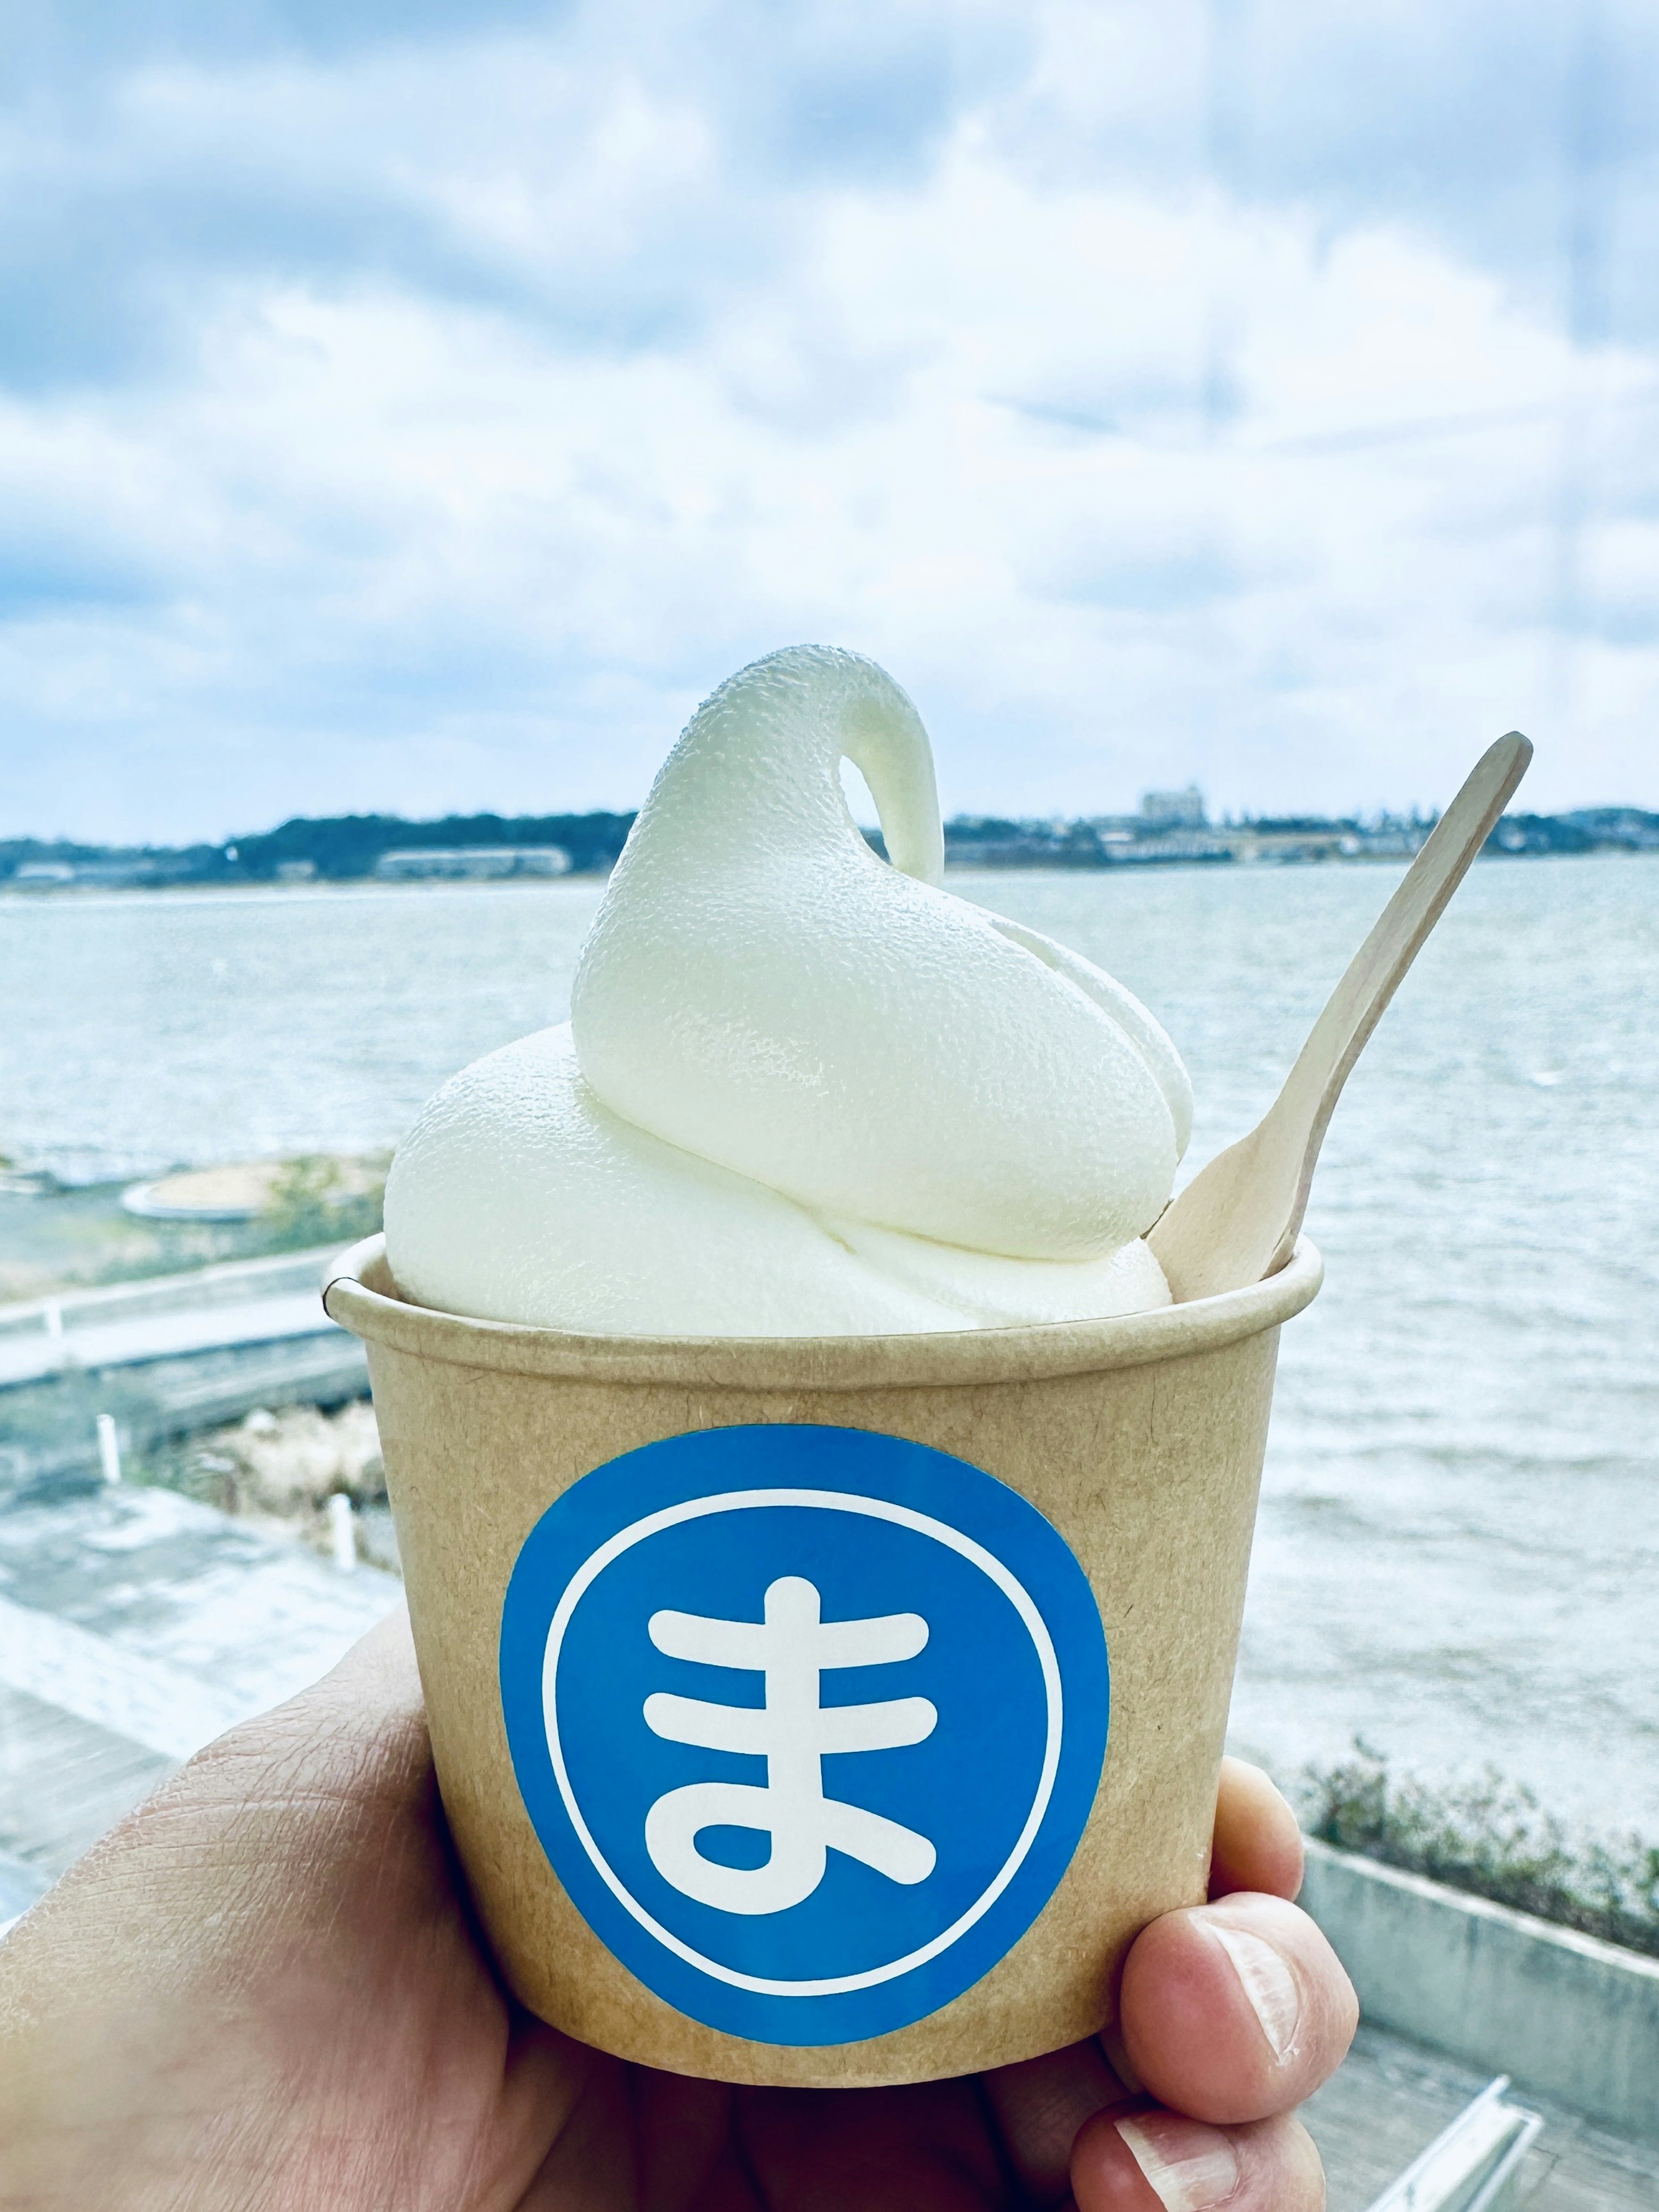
{"x": 1172, "y": 829}
{"x": 80, "y": 892}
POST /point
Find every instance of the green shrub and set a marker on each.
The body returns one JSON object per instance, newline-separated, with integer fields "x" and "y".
{"x": 1492, "y": 1838}
{"x": 313, "y": 1201}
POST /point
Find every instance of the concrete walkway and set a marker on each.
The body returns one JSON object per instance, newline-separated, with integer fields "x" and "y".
{"x": 135, "y": 1627}
{"x": 1393, "y": 2097}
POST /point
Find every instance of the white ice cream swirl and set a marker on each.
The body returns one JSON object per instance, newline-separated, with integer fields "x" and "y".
{"x": 802, "y": 1091}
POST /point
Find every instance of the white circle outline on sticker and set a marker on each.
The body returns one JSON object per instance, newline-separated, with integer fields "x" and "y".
{"x": 837, "y": 1501}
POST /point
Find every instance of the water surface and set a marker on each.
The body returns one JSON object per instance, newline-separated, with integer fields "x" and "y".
{"x": 1459, "y": 1548}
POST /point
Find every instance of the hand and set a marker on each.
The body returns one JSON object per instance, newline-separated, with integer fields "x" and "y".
{"x": 264, "y": 1992}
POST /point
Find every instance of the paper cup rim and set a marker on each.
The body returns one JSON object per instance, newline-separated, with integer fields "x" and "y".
{"x": 361, "y": 1295}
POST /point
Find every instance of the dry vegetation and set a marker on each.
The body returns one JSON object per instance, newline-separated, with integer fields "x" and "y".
{"x": 278, "y": 1470}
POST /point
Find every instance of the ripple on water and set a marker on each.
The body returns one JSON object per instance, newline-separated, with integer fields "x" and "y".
{"x": 1460, "y": 1532}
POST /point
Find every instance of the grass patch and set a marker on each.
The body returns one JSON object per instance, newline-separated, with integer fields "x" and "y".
{"x": 79, "y": 1237}
{"x": 318, "y": 1199}
{"x": 1492, "y": 1838}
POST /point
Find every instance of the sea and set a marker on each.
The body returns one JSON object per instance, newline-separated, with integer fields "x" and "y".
{"x": 1457, "y": 1560}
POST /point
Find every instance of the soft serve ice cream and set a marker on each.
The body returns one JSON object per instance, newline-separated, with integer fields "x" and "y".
{"x": 802, "y": 1091}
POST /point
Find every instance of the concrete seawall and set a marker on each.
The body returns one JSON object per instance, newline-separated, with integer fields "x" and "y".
{"x": 1566, "y": 2016}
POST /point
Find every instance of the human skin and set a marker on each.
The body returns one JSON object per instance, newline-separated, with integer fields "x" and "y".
{"x": 264, "y": 1992}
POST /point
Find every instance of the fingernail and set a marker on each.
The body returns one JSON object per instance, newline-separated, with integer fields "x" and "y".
{"x": 1267, "y": 1982}
{"x": 1189, "y": 2167}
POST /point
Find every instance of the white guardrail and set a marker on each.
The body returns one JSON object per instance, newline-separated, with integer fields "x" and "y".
{"x": 211, "y": 1309}
{"x": 1471, "y": 2166}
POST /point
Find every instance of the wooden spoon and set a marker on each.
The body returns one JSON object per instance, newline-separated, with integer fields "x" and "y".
{"x": 1237, "y": 1221}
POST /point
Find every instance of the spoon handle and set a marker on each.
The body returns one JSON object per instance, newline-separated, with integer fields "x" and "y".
{"x": 1237, "y": 1221}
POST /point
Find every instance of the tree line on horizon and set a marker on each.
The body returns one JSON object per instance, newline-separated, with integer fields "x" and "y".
{"x": 347, "y": 848}
{"x": 340, "y": 847}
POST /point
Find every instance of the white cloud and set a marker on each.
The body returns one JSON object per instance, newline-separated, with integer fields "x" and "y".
{"x": 439, "y": 420}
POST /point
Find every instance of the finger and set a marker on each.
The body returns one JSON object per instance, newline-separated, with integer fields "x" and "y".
{"x": 653, "y": 2143}
{"x": 350, "y": 1751}
{"x": 1159, "y": 2162}
{"x": 685, "y": 2157}
{"x": 379, "y": 1665}
{"x": 1257, "y": 1842}
{"x": 290, "y": 1950}
{"x": 373, "y": 1691}
{"x": 1235, "y": 2011}
{"x": 926, "y": 2149}
{"x": 1039, "y": 2105}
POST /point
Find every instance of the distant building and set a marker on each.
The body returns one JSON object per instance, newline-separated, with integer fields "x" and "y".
{"x": 1181, "y": 845}
{"x": 473, "y": 862}
{"x": 1174, "y": 810}
{"x": 295, "y": 871}
{"x": 102, "y": 875}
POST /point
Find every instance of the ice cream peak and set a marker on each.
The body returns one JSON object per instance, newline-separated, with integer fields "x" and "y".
{"x": 803, "y": 1090}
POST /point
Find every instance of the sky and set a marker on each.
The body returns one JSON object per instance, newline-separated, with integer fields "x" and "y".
{"x": 420, "y": 408}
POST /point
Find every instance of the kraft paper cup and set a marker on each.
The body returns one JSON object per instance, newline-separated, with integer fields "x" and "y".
{"x": 1014, "y": 1561}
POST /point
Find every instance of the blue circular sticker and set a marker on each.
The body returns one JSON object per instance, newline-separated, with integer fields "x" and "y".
{"x": 809, "y": 1721}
